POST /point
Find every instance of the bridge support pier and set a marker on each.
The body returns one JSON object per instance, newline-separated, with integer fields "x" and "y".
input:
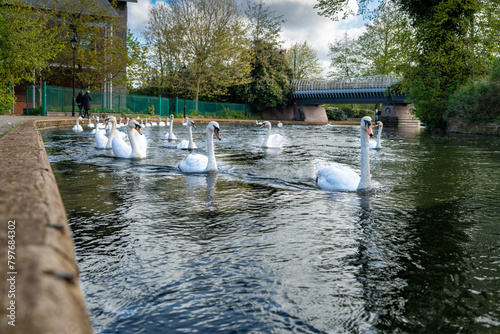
{"x": 398, "y": 115}
{"x": 314, "y": 113}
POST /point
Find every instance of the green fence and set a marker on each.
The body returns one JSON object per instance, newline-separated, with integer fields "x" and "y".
{"x": 43, "y": 99}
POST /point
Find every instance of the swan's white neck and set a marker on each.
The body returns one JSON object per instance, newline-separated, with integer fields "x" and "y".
{"x": 133, "y": 141}
{"x": 365, "y": 181}
{"x": 78, "y": 121}
{"x": 266, "y": 140}
{"x": 379, "y": 132}
{"x": 109, "y": 143}
{"x": 212, "y": 164}
{"x": 171, "y": 132}
{"x": 190, "y": 134}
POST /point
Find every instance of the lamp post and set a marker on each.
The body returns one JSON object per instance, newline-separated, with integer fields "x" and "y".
{"x": 73, "y": 46}
{"x": 185, "y": 83}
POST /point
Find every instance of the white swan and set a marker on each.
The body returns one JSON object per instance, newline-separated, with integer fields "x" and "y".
{"x": 258, "y": 123}
{"x": 329, "y": 125}
{"x": 91, "y": 124}
{"x": 129, "y": 151}
{"x": 197, "y": 163}
{"x": 271, "y": 140}
{"x": 376, "y": 144}
{"x": 147, "y": 123}
{"x": 78, "y": 127}
{"x": 279, "y": 125}
{"x": 100, "y": 125}
{"x": 113, "y": 132}
{"x": 161, "y": 123}
{"x": 188, "y": 144}
{"x": 153, "y": 123}
{"x": 337, "y": 177}
{"x": 170, "y": 135}
{"x": 100, "y": 139}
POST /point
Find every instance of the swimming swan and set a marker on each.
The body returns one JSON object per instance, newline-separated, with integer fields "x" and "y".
{"x": 188, "y": 144}
{"x": 134, "y": 150}
{"x": 376, "y": 144}
{"x": 271, "y": 140}
{"x": 170, "y": 135}
{"x": 197, "y": 163}
{"x": 337, "y": 177}
{"x": 78, "y": 127}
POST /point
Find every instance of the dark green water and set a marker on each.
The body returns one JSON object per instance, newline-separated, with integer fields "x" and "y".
{"x": 259, "y": 248}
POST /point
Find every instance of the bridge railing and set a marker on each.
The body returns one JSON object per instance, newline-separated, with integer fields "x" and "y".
{"x": 366, "y": 86}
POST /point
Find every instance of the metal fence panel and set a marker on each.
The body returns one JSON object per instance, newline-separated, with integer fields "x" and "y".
{"x": 60, "y": 99}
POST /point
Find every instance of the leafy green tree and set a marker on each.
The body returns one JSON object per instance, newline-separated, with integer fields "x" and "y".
{"x": 101, "y": 51}
{"x": 24, "y": 52}
{"x": 271, "y": 75}
{"x": 387, "y": 43}
{"x": 304, "y": 61}
{"x": 205, "y": 35}
{"x": 264, "y": 24}
{"x": 443, "y": 58}
{"x": 137, "y": 62}
{"x": 346, "y": 58}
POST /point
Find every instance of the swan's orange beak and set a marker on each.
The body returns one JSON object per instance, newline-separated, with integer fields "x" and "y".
{"x": 368, "y": 127}
{"x": 262, "y": 125}
{"x": 217, "y": 133}
{"x": 138, "y": 128}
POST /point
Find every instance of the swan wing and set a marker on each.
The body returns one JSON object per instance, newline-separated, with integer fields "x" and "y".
{"x": 120, "y": 148}
{"x": 275, "y": 140}
{"x": 337, "y": 177}
{"x": 194, "y": 163}
{"x": 100, "y": 139}
{"x": 183, "y": 145}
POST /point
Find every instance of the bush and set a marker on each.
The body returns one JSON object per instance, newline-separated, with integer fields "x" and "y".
{"x": 477, "y": 102}
{"x": 335, "y": 114}
{"x": 36, "y": 111}
{"x": 151, "y": 110}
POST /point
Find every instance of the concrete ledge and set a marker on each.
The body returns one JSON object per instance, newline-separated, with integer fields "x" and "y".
{"x": 45, "y": 287}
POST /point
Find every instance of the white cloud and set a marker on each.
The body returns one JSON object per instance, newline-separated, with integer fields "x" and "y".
{"x": 302, "y": 23}
{"x": 138, "y": 16}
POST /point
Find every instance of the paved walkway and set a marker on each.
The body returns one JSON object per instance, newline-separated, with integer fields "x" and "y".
{"x": 8, "y": 122}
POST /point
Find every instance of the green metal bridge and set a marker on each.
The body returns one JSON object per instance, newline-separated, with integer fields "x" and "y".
{"x": 375, "y": 89}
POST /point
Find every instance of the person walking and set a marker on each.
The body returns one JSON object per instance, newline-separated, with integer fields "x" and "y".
{"x": 79, "y": 103}
{"x": 86, "y": 103}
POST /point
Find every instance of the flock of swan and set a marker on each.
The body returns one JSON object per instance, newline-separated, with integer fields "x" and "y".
{"x": 133, "y": 145}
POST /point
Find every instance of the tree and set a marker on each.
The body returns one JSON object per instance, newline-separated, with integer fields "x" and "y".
{"x": 443, "y": 56}
{"x": 271, "y": 75}
{"x": 304, "y": 61}
{"x": 263, "y": 25}
{"x": 386, "y": 44}
{"x": 345, "y": 58}
{"x": 206, "y": 35}
{"x": 24, "y": 52}
{"x": 137, "y": 62}
{"x": 101, "y": 53}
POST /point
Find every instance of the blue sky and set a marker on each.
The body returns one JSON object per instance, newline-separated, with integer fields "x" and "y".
{"x": 302, "y": 23}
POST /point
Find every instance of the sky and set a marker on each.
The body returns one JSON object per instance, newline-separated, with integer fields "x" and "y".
{"x": 302, "y": 23}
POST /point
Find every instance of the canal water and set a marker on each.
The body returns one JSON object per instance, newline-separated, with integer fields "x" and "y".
{"x": 259, "y": 248}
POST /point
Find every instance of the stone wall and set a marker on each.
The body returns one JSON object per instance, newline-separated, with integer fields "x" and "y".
{"x": 39, "y": 290}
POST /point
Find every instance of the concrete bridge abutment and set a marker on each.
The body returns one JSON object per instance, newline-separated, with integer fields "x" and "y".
{"x": 398, "y": 115}
{"x": 314, "y": 113}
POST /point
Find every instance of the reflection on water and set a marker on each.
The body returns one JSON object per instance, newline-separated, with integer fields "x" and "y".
{"x": 259, "y": 248}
